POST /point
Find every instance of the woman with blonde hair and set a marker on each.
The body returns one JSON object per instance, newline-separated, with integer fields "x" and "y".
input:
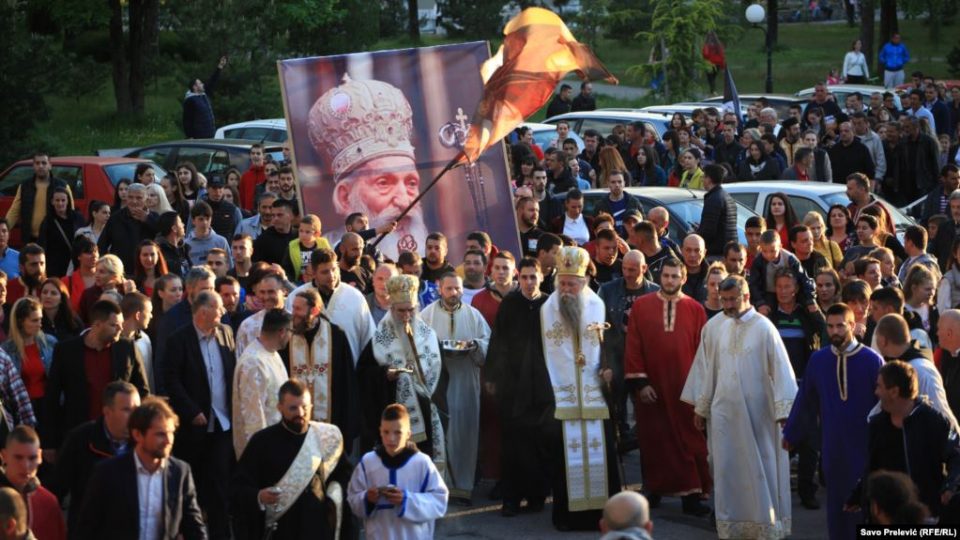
{"x": 30, "y": 350}
{"x": 610, "y": 160}
{"x": 157, "y": 199}
{"x": 108, "y": 276}
{"x": 821, "y": 243}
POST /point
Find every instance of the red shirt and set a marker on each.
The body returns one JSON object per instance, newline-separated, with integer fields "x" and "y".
{"x": 32, "y": 372}
{"x": 76, "y": 286}
{"x": 45, "y": 517}
{"x": 17, "y": 290}
{"x": 248, "y": 185}
{"x": 97, "y": 368}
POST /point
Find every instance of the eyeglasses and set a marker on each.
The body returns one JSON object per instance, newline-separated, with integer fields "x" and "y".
{"x": 730, "y": 299}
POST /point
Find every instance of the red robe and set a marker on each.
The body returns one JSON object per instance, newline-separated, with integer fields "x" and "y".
{"x": 674, "y": 452}
{"x": 249, "y": 180}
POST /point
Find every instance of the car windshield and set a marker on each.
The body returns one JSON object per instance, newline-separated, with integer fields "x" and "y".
{"x": 900, "y": 221}
{"x": 690, "y": 211}
{"x": 126, "y": 170}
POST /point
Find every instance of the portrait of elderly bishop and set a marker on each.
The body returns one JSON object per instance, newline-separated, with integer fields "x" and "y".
{"x": 362, "y": 131}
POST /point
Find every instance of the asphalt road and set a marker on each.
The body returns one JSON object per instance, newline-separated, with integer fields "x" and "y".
{"x": 483, "y": 519}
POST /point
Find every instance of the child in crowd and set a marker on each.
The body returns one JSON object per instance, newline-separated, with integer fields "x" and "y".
{"x": 397, "y": 490}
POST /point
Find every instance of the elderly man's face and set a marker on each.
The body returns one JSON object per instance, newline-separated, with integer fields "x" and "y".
{"x": 380, "y": 188}
{"x": 570, "y": 285}
{"x": 693, "y": 252}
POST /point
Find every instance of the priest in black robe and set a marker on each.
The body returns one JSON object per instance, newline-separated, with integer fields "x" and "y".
{"x": 316, "y": 508}
{"x": 521, "y": 387}
{"x": 319, "y": 355}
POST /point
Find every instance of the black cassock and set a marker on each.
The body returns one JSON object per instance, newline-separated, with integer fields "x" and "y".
{"x": 265, "y": 460}
{"x": 377, "y": 392}
{"x": 345, "y": 402}
{"x": 532, "y": 446}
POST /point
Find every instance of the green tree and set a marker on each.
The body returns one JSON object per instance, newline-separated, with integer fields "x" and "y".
{"x": 591, "y": 20}
{"x": 26, "y": 78}
{"x": 627, "y": 17}
{"x": 472, "y": 18}
{"x": 677, "y": 30}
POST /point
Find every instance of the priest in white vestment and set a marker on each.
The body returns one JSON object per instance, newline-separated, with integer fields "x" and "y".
{"x": 345, "y": 306}
{"x": 464, "y": 336}
{"x": 257, "y": 380}
{"x": 742, "y": 387}
{"x": 270, "y": 293}
{"x": 572, "y": 322}
{"x": 403, "y": 366}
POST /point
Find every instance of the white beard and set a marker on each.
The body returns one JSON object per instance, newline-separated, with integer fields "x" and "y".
{"x": 411, "y": 227}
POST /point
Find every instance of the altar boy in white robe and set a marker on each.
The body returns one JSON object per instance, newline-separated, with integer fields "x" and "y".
{"x": 396, "y": 490}
{"x": 742, "y": 387}
{"x": 464, "y": 336}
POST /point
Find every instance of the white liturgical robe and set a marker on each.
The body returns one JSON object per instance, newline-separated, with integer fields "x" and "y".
{"x": 348, "y": 310}
{"x": 742, "y": 383}
{"x": 463, "y": 388}
{"x": 256, "y": 382}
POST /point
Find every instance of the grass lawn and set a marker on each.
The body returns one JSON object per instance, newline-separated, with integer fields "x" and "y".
{"x": 806, "y": 53}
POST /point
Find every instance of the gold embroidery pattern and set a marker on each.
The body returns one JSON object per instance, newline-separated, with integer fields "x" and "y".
{"x": 557, "y": 334}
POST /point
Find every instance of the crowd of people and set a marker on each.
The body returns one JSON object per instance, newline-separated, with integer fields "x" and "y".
{"x": 195, "y": 358}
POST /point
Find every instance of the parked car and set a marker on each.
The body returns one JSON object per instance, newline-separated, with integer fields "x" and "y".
{"x": 841, "y": 91}
{"x": 780, "y": 102}
{"x": 685, "y": 207}
{"x": 272, "y": 130}
{"x": 544, "y": 134}
{"x": 211, "y": 156}
{"x": 89, "y": 177}
{"x": 603, "y": 120}
{"x": 686, "y": 108}
{"x": 804, "y": 197}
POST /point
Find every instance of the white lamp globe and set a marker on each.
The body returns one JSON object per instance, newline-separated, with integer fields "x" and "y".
{"x": 755, "y": 14}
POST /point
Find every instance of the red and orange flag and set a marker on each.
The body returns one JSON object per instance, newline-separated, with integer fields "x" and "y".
{"x": 537, "y": 53}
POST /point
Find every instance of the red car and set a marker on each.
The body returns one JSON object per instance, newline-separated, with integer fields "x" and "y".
{"x": 89, "y": 177}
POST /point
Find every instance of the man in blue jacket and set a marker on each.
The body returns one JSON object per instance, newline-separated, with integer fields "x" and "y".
{"x": 197, "y": 111}
{"x": 893, "y": 55}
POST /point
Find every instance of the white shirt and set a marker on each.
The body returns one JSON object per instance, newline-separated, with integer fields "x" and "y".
{"x": 576, "y": 229}
{"x": 213, "y": 362}
{"x": 150, "y": 497}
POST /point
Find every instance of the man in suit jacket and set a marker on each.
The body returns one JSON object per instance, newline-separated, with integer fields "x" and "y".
{"x": 81, "y": 369}
{"x": 143, "y": 490}
{"x": 200, "y": 361}
{"x": 89, "y": 444}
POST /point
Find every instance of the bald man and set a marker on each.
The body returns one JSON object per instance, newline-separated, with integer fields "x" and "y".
{"x": 894, "y": 343}
{"x": 948, "y": 332}
{"x": 660, "y": 217}
{"x": 694, "y": 253}
{"x": 618, "y": 296}
{"x": 626, "y": 515}
{"x": 351, "y": 271}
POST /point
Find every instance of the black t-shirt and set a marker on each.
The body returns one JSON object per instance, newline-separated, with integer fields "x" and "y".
{"x": 359, "y": 277}
{"x": 628, "y": 300}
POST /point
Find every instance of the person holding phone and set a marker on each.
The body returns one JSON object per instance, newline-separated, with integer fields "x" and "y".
{"x": 397, "y": 490}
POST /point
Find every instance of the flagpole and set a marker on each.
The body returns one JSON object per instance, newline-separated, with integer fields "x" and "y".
{"x": 450, "y": 166}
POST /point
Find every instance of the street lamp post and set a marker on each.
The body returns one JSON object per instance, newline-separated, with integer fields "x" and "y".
{"x": 755, "y": 15}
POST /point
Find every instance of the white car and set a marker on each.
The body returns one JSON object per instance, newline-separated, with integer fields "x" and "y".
{"x": 271, "y": 130}
{"x": 841, "y": 91}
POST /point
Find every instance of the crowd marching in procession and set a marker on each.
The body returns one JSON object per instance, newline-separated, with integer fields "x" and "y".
{"x": 199, "y": 358}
